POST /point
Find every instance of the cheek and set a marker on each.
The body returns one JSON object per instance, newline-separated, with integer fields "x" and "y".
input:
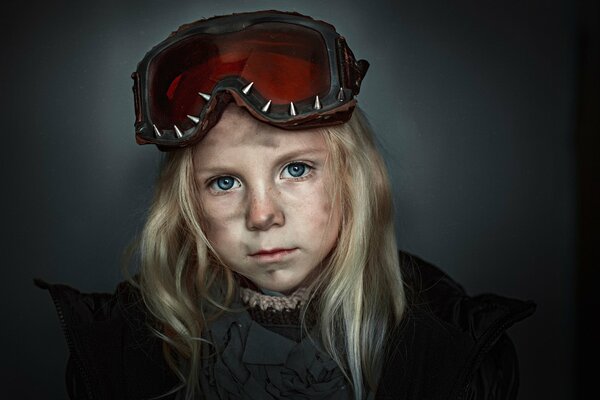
{"x": 321, "y": 217}
{"x": 217, "y": 221}
{"x": 329, "y": 206}
{"x": 224, "y": 239}
{"x": 332, "y": 214}
{"x": 334, "y": 224}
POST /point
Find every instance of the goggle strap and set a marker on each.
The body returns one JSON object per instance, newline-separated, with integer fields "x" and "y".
{"x": 351, "y": 71}
{"x": 137, "y": 100}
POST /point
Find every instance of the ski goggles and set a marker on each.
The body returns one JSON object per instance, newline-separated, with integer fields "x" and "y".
{"x": 286, "y": 69}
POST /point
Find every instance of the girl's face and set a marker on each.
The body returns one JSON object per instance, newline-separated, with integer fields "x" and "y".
{"x": 264, "y": 193}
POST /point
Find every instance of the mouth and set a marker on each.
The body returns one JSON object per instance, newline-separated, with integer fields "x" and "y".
{"x": 276, "y": 254}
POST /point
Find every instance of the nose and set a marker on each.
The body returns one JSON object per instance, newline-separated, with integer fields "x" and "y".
{"x": 264, "y": 210}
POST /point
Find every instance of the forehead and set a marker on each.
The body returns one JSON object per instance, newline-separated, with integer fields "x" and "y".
{"x": 237, "y": 131}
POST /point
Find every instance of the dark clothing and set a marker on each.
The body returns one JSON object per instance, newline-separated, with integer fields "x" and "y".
{"x": 448, "y": 346}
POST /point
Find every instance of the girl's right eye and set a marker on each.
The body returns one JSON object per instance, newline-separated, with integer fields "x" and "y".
{"x": 224, "y": 183}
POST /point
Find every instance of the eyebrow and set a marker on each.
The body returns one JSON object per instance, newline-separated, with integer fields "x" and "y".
{"x": 298, "y": 153}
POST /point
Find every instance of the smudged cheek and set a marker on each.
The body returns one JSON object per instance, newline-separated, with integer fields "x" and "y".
{"x": 311, "y": 209}
{"x": 222, "y": 221}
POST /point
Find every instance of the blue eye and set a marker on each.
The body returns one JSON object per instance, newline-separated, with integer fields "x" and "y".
{"x": 296, "y": 170}
{"x": 224, "y": 183}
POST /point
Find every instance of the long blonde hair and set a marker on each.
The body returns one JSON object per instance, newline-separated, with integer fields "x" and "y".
{"x": 361, "y": 296}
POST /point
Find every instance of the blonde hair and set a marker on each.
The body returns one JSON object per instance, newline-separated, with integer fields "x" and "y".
{"x": 361, "y": 296}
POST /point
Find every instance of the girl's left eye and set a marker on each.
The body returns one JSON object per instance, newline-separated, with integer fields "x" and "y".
{"x": 296, "y": 170}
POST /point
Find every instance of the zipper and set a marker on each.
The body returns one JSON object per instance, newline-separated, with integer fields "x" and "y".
{"x": 70, "y": 343}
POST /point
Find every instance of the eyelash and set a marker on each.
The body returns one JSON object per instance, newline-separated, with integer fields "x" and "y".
{"x": 213, "y": 184}
{"x": 308, "y": 172}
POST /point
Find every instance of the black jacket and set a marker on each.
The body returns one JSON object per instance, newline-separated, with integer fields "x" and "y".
{"x": 449, "y": 345}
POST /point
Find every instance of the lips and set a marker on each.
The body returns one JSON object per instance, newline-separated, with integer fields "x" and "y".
{"x": 275, "y": 254}
{"x": 269, "y": 251}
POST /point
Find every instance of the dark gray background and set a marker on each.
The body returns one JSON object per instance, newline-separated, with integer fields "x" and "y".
{"x": 473, "y": 102}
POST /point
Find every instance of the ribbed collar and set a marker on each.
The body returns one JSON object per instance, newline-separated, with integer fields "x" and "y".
{"x": 278, "y": 302}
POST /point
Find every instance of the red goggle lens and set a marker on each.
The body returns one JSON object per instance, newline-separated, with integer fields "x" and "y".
{"x": 286, "y": 62}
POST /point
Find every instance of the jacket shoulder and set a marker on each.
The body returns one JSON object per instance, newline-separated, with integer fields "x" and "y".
{"x": 113, "y": 352}
{"x": 430, "y": 291}
{"x": 450, "y": 345}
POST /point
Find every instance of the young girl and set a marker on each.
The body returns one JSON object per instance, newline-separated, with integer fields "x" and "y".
{"x": 268, "y": 262}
